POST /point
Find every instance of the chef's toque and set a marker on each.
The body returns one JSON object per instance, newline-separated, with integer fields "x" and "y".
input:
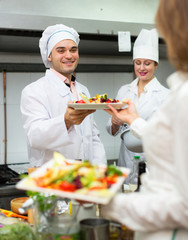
{"x": 146, "y": 45}
{"x": 51, "y": 36}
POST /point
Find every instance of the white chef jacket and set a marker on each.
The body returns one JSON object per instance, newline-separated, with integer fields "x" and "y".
{"x": 43, "y": 105}
{"x": 162, "y": 204}
{"x": 153, "y": 96}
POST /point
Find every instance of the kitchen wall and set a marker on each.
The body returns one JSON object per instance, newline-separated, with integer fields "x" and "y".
{"x": 96, "y": 82}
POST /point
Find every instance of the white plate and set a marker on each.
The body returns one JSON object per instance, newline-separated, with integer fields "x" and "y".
{"x": 95, "y": 106}
{"x": 24, "y": 185}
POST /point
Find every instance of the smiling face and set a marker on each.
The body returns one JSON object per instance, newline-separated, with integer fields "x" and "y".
{"x": 144, "y": 69}
{"x": 64, "y": 57}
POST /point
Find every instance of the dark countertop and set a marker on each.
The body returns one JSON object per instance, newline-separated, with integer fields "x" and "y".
{"x": 8, "y": 190}
{"x": 7, "y": 193}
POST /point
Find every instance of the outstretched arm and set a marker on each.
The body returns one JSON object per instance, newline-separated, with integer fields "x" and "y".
{"x": 127, "y": 115}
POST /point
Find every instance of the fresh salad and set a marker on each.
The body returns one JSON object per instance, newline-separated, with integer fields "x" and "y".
{"x": 78, "y": 177}
{"x": 97, "y": 99}
{"x": 17, "y": 231}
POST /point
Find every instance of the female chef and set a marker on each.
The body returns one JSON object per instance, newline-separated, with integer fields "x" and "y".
{"x": 160, "y": 210}
{"x": 145, "y": 91}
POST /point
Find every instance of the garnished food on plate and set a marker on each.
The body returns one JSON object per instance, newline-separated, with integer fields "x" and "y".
{"x": 99, "y": 102}
{"x": 76, "y": 177}
{"x": 97, "y": 99}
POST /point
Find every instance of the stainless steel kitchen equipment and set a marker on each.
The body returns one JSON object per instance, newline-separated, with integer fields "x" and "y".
{"x": 95, "y": 229}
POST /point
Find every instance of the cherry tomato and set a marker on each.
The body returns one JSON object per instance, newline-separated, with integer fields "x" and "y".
{"x": 81, "y": 101}
{"x": 66, "y": 186}
{"x": 110, "y": 180}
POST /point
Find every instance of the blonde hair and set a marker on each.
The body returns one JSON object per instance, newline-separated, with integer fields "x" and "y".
{"x": 171, "y": 21}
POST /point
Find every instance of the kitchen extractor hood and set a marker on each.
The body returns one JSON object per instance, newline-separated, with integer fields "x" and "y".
{"x": 86, "y": 16}
{"x": 97, "y": 22}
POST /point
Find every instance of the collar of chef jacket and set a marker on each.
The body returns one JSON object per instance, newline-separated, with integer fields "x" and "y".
{"x": 66, "y": 81}
{"x": 153, "y": 85}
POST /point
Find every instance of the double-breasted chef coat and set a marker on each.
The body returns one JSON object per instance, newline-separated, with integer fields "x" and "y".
{"x": 43, "y": 105}
{"x": 153, "y": 96}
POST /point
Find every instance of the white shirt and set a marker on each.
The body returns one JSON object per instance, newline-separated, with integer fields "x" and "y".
{"x": 43, "y": 105}
{"x": 150, "y": 100}
{"x": 162, "y": 204}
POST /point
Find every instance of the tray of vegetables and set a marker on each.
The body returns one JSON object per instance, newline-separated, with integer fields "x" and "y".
{"x": 73, "y": 179}
{"x": 99, "y": 102}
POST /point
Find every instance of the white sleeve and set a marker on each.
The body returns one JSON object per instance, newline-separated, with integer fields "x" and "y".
{"x": 42, "y": 131}
{"x": 180, "y": 148}
{"x": 137, "y": 127}
{"x": 164, "y": 208}
{"x": 143, "y": 211}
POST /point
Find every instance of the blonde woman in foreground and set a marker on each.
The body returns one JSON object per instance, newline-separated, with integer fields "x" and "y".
{"x": 160, "y": 210}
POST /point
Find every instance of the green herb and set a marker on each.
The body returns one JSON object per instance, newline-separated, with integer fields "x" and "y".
{"x": 44, "y": 203}
{"x": 105, "y": 96}
{"x": 69, "y": 177}
{"x": 112, "y": 170}
{"x": 86, "y": 180}
{"x": 23, "y": 176}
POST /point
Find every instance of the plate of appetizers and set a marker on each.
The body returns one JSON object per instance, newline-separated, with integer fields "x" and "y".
{"x": 99, "y": 102}
{"x": 79, "y": 180}
{"x": 96, "y": 106}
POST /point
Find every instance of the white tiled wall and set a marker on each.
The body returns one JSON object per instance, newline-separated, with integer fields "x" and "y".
{"x": 96, "y": 82}
{"x": 105, "y": 83}
{"x": 16, "y": 144}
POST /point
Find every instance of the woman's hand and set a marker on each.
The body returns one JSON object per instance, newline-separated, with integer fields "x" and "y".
{"x": 116, "y": 121}
{"x": 127, "y": 115}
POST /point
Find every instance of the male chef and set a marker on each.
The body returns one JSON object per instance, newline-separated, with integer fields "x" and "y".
{"x": 49, "y": 123}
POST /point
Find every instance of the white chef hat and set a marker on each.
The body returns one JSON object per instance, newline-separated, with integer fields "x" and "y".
{"x": 51, "y": 36}
{"x": 146, "y": 45}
